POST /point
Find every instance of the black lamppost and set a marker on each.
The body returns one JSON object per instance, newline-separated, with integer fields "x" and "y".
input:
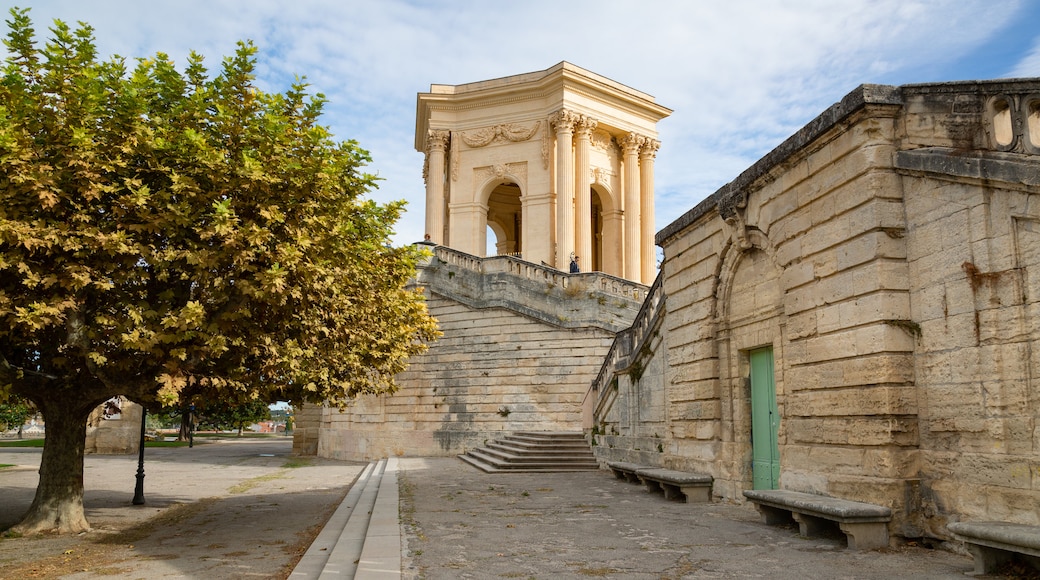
{"x": 139, "y": 488}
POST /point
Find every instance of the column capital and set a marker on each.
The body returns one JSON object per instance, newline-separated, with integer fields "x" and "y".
{"x": 631, "y": 142}
{"x": 564, "y": 120}
{"x": 585, "y": 126}
{"x": 649, "y": 148}
{"x": 437, "y": 139}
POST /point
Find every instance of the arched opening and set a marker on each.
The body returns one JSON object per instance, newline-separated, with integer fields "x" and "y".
{"x": 504, "y": 220}
{"x": 597, "y": 233}
{"x": 607, "y": 223}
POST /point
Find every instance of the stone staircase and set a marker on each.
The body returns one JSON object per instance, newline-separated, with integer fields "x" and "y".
{"x": 534, "y": 452}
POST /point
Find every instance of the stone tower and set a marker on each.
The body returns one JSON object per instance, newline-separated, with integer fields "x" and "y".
{"x": 556, "y": 163}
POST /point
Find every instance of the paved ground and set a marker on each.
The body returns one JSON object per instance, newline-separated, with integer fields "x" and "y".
{"x": 248, "y": 509}
{"x": 225, "y": 509}
{"x": 463, "y": 523}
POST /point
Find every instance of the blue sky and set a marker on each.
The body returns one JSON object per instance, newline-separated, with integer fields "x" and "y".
{"x": 741, "y": 75}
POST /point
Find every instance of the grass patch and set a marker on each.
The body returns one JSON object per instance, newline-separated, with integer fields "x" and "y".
{"x": 295, "y": 462}
{"x": 39, "y": 443}
{"x": 254, "y": 482}
{"x": 165, "y": 443}
{"x": 22, "y": 443}
{"x": 6, "y": 465}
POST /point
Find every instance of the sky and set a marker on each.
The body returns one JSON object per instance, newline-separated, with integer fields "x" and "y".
{"x": 740, "y": 75}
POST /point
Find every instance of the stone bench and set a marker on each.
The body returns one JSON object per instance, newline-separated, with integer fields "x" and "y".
{"x": 626, "y": 471}
{"x": 864, "y": 524}
{"x": 993, "y": 544}
{"x": 676, "y": 485}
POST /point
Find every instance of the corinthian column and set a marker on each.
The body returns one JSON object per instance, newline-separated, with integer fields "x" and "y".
{"x": 646, "y": 196}
{"x": 630, "y": 145}
{"x": 563, "y": 121}
{"x": 436, "y": 143}
{"x": 582, "y": 191}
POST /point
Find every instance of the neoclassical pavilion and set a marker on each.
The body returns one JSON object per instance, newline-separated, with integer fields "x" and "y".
{"x": 556, "y": 163}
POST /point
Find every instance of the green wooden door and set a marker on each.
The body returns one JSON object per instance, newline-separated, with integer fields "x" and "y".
{"x": 765, "y": 421}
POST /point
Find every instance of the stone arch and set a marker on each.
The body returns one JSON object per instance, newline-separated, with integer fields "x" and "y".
{"x": 607, "y": 234}
{"x": 502, "y": 197}
{"x": 748, "y": 315}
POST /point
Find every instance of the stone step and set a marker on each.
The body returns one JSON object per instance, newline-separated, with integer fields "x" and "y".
{"x": 506, "y": 456}
{"x": 498, "y": 467}
{"x": 533, "y": 452}
{"x": 528, "y": 449}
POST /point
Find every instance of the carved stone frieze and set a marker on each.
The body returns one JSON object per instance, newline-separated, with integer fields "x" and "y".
{"x": 509, "y": 132}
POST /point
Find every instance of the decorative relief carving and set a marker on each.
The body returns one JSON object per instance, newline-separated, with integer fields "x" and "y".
{"x": 601, "y": 140}
{"x": 602, "y": 176}
{"x": 455, "y": 159}
{"x": 516, "y": 171}
{"x": 732, "y": 206}
{"x": 546, "y": 145}
{"x": 510, "y": 132}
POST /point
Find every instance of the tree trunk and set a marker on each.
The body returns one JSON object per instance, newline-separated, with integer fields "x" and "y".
{"x": 58, "y": 505}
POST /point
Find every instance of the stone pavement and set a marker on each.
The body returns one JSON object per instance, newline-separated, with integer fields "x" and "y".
{"x": 223, "y": 509}
{"x": 462, "y": 523}
{"x": 248, "y": 509}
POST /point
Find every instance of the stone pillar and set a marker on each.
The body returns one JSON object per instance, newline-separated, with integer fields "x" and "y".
{"x": 563, "y": 121}
{"x": 583, "y": 191}
{"x": 436, "y": 143}
{"x": 648, "y": 256}
{"x": 630, "y": 146}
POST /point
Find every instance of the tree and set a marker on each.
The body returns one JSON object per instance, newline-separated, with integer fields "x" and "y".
{"x": 169, "y": 237}
{"x": 13, "y": 414}
{"x": 222, "y": 417}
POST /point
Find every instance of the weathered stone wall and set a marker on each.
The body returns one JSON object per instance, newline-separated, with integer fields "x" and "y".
{"x": 114, "y": 436}
{"x": 521, "y": 344}
{"x": 888, "y": 253}
{"x": 974, "y": 255}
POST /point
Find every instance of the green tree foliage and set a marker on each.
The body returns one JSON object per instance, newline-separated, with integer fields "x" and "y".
{"x": 14, "y": 413}
{"x": 172, "y": 236}
{"x": 222, "y": 417}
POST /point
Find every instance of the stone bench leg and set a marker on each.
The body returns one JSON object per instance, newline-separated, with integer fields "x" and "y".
{"x": 697, "y": 493}
{"x": 632, "y": 478}
{"x": 672, "y": 492}
{"x": 988, "y": 560}
{"x": 773, "y": 516}
{"x": 811, "y": 526}
{"x": 866, "y": 536}
{"x": 618, "y": 474}
{"x": 652, "y": 485}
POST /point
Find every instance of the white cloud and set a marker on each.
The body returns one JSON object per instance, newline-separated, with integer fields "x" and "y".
{"x": 741, "y": 75}
{"x": 1029, "y": 66}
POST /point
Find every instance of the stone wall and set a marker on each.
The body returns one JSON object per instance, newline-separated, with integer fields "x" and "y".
{"x": 114, "y": 436}
{"x": 521, "y": 344}
{"x": 887, "y": 253}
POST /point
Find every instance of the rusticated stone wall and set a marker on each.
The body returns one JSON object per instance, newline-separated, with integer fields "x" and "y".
{"x": 889, "y": 254}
